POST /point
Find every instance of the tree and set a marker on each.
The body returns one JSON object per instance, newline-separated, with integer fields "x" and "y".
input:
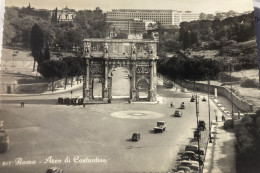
{"x": 47, "y": 55}
{"x": 74, "y": 67}
{"x": 203, "y": 16}
{"x": 187, "y": 40}
{"x": 51, "y": 69}
{"x": 37, "y": 43}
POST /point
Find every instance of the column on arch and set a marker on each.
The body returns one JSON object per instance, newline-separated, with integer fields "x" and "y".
{"x": 152, "y": 94}
{"x": 105, "y": 90}
{"x": 87, "y": 91}
{"x": 133, "y": 85}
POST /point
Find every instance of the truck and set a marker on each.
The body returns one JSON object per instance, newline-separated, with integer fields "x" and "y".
{"x": 161, "y": 126}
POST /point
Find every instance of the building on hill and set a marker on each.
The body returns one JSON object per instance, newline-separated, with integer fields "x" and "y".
{"x": 128, "y": 26}
{"x": 64, "y": 15}
{"x": 165, "y": 17}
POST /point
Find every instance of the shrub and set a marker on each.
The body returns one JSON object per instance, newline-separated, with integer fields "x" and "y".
{"x": 249, "y": 83}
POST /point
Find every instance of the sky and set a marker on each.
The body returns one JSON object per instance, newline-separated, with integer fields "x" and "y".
{"x": 206, "y": 6}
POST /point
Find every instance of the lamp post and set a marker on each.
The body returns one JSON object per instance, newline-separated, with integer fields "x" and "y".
{"x": 210, "y": 141}
{"x": 197, "y": 115}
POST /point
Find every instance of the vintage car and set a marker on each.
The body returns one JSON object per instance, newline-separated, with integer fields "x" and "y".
{"x": 190, "y": 155}
{"x": 178, "y": 113}
{"x": 54, "y": 170}
{"x": 202, "y": 125}
{"x": 193, "y": 165}
{"x": 182, "y": 105}
{"x": 194, "y": 148}
{"x": 192, "y": 98}
{"x": 204, "y": 99}
{"x": 60, "y": 100}
{"x": 161, "y": 126}
{"x": 197, "y": 134}
{"x": 182, "y": 169}
{"x": 136, "y": 136}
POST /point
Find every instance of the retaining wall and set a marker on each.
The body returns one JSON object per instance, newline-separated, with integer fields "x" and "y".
{"x": 240, "y": 103}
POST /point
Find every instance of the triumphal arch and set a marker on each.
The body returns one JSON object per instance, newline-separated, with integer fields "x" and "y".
{"x": 104, "y": 55}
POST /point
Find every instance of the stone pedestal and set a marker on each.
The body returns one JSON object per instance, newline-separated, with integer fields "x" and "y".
{"x": 86, "y": 95}
{"x": 133, "y": 95}
{"x": 152, "y": 95}
{"x": 105, "y": 96}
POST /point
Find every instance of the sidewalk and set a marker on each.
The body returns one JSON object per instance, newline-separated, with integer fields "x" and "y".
{"x": 220, "y": 156}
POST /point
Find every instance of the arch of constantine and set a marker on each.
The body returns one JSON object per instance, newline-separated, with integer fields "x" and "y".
{"x": 104, "y": 55}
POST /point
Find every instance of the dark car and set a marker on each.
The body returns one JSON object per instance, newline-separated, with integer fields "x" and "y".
{"x": 190, "y": 155}
{"x": 197, "y": 134}
{"x": 194, "y": 148}
{"x": 204, "y": 99}
{"x": 182, "y": 105}
{"x": 192, "y": 99}
{"x": 182, "y": 169}
{"x": 60, "y": 100}
{"x": 66, "y": 100}
{"x": 54, "y": 170}
{"x": 202, "y": 125}
{"x": 178, "y": 113}
{"x": 136, "y": 136}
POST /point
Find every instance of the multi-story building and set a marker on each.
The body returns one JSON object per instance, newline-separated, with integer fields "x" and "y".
{"x": 162, "y": 16}
{"x": 165, "y": 17}
{"x": 184, "y": 16}
{"x": 134, "y": 26}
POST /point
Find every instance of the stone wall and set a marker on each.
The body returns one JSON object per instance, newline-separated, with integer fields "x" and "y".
{"x": 17, "y": 65}
{"x": 239, "y": 102}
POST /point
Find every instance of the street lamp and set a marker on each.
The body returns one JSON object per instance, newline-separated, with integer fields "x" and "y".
{"x": 210, "y": 141}
{"x": 197, "y": 115}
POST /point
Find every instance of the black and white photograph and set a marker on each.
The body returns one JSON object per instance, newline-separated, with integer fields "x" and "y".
{"x": 129, "y": 86}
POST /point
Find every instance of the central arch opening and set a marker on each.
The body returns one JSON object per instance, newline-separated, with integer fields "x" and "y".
{"x": 120, "y": 83}
{"x": 97, "y": 89}
{"x": 143, "y": 90}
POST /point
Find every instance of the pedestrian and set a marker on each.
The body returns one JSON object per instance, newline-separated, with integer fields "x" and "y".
{"x": 171, "y": 105}
{"x": 84, "y": 105}
{"x": 223, "y": 118}
{"x": 21, "y": 104}
{"x": 216, "y": 118}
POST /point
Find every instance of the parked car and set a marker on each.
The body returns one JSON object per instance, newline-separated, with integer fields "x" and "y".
{"x": 136, "y": 136}
{"x": 54, "y": 170}
{"x": 194, "y": 148}
{"x": 66, "y": 100}
{"x": 190, "y": 155}
{"x": 204, "y": 99}
{"x": 193, "y": 166}
{"x": 60, "y": 100}
{"x": 182, "y": 169}
{"x": 161, "y": 126}
{"x": 178, "y": 113}
{"x": 202, "y": 125}
{"x": 197, "y": 134}
{"x": 182, "y": 105}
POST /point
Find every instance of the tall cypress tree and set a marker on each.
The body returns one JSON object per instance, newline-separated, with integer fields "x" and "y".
{"x": 37, "y": 43}
{"x": 47, "y": 55}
